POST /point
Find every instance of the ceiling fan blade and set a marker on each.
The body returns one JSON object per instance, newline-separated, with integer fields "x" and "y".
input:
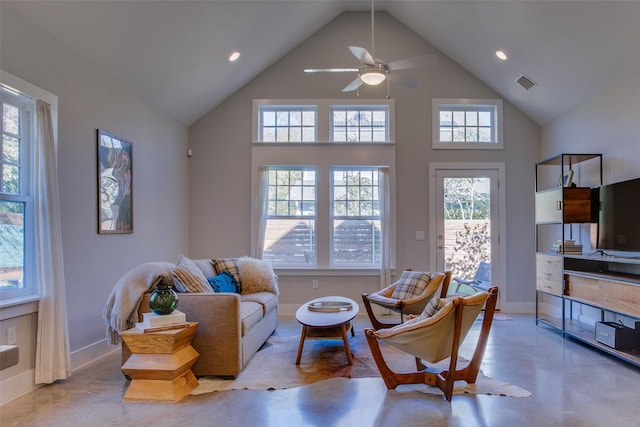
{"x": 409, "y": 82}
{"x": 362, "y": 54}
{"x": 330, "y": 70}
{"x": 353, "y": 85}
{"x": 415, "y": 62}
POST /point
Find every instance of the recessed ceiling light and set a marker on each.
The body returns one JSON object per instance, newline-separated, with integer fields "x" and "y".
{"x": 501, "y": 55}
{"x": 234, "y": 56}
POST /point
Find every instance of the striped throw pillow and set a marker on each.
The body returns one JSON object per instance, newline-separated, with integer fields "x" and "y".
{"x": 410, "y": 284}
{"x": 187, "y": 277}
{"x": 227, "y": 264}
{"x": 433, "y": 307}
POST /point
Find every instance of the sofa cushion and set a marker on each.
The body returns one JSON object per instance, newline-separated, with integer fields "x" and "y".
{"x": 410, "y": 284}
{"x": 267, "y": 300}
{"x": 227, "y": 264}
{"x": 224, "y": 282}
{"x": 251, "y": 314}
{"x": 187, "y": 277}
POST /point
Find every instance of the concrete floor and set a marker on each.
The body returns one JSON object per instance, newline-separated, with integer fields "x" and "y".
{"x": 572, "y": 385}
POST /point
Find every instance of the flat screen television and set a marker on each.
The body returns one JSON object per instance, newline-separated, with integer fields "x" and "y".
{"x": 618, "y": 217}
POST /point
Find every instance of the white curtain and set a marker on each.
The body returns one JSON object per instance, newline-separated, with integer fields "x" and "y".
{"x": 52, "y": 345}
{"x": 385, "y": 226}
{"x": 261, "y": 212}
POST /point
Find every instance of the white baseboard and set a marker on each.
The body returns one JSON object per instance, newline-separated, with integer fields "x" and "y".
{"x": 518, "y": 307}
{"x": 23, "y": 383}
{"x": 287, "y": 309}
{"x": 91, "y": 353}
{"x": 17, "y": 386}
{"x": 508, "y": 307}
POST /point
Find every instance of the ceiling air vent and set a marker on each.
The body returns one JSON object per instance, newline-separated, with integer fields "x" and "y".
{"x": 526, "y": 82}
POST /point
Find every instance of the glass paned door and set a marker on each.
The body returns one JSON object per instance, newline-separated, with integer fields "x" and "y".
{"x": 466, "y": 224}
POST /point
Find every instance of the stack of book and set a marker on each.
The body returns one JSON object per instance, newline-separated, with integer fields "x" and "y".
{"x": 153, "y": 322}
{"x": 569, "y": 246}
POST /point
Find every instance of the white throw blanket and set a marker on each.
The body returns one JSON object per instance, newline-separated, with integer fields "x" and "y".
{"x": 121, "y": 309}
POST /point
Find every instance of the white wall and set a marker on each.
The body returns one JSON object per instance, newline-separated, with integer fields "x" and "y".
{"x": 607, "y": 124}
{"x": 220, "y": 169}
{"x": 90, "y": 99}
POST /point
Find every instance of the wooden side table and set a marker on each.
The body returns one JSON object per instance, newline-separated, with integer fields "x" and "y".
{"x": 160, "y": 364}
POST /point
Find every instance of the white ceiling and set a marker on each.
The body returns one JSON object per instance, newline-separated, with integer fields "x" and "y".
{"x": 174, "y": 52}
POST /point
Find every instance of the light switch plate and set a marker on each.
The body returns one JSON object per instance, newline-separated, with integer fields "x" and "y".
{"x": 419, "y": 235}
{"x": 11, "y": 335}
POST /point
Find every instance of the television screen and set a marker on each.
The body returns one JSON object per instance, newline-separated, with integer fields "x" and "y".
{"x": 619, "y": 216}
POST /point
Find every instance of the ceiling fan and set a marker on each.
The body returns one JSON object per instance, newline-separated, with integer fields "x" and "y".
{"x": 373, "y": 71}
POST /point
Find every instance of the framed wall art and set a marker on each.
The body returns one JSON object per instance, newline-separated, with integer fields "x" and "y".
{"x": 115, "y": 184}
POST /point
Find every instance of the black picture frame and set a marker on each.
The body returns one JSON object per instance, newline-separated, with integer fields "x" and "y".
{"x": 115, "y": 184}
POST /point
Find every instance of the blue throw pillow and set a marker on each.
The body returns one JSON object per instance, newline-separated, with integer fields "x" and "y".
{"x": 224, "y": 282}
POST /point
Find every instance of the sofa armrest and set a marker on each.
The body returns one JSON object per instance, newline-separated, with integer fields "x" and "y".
{"x": 219, "y": 338}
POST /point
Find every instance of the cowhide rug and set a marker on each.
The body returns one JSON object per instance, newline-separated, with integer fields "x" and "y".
{"x": 273, "y": 367}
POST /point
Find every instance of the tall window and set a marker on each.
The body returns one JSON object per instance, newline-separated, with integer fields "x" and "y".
{"x": 16, "y": 228}
{"x": 291, "y": 216}
{"x": 355, "y": 216}
{"x": 460, "y": 123}
{"x": 321, "y": 207}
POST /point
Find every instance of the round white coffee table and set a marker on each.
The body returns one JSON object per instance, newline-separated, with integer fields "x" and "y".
{"x": 327, "y": 317}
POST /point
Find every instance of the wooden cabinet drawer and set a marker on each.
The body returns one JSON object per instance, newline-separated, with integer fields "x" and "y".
{"x": 549, "y": 273}
{"x": 610, "y": 294}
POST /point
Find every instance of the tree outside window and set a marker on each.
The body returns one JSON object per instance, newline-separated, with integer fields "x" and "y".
{"x": 467, "y": 220}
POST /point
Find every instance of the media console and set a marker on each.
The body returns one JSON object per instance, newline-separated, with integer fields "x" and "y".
{"x": 604, "y": 284}
{"x": 576, "y": 293}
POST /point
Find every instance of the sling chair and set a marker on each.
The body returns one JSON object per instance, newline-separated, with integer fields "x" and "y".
{"x": 413, "y": 304}
{"x": 432, "y": 339}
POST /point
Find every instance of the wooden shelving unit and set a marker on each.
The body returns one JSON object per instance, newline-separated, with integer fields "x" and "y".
{"x": 606, "y": 287}
{"x": 560, "y": 206}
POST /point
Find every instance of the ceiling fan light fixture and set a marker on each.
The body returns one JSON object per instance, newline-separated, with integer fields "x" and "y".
{"x": 373, "y": 77}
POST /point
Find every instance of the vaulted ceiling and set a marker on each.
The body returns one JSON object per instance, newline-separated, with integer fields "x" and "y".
{"x": 174, "y": 53}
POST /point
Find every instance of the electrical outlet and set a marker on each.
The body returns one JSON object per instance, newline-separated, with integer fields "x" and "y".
{"x": 314, "y": 284}
{"x": 11, "y": 335}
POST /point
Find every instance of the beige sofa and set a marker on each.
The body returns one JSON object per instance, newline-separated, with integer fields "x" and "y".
{"x": 232, "y": 327}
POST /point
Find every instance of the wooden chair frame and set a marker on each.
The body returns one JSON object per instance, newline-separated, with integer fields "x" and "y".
{"x": 398, "y": 305}
{"x": 443, "y": 379}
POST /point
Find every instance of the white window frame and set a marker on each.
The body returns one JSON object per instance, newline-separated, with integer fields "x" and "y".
{"x": 495, "y": 105}
{"x": 268, "y": 108}
{"x": 360, "y": 108}
{"x": 333, "y": 217}
{"x": 29, "y": 287}
{"x": 28, "y": 303}
{"x": 324, "y": 114}
{"x": 302, "y": 217}
{"x": 324, "y": 155}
